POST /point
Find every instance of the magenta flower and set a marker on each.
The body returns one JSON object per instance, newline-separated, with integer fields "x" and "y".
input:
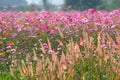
{"x": 5, "y": 7}
{"x": 50, "y": 51}
{"x": 92, "y": 10}
{"x": 13, "y": 6}
{"x": 13, "y": 50}
{"x": 14, "y": 35}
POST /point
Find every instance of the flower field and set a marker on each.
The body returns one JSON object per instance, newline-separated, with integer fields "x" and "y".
{"x": 73, "y": 45}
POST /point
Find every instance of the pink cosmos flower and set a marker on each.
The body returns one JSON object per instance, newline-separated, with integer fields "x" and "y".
{"x": 50, "y": 52}
{"x": 92, "y": 10}
{"x": 13, "y": 50}
{"x": 69, "y": 6}
{"x": 5, "y": 7}
{"x": 14, "y": 35}
{"x": 13, "y": 6}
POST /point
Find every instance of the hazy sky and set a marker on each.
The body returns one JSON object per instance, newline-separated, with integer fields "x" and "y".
{"x": 56, "y": 2}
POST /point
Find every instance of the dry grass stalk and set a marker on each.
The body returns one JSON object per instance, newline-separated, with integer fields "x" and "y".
{"x": 30, "y": 69}
{"x": 42, "y": 48}
{"x": 53, "y": 67}
{"x": 60, "y": 32}
{"x": 35, "y": 55}
{"x": 21, "y": 71}
{"x": 99, "y": 49}
{"x": 24, "y": 68}
{"x": 11, "y": 71}
{"x": 49, "y": 44}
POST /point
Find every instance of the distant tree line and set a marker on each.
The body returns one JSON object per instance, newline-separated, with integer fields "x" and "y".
{"x": 86, "y": 4}
{"x": 99, "y": 4}
{"x": 12, "y": 2}
{"x": 76, "y": 4}
{"x": 82, "y": 4}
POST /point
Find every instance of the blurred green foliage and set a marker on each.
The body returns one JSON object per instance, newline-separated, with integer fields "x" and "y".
{"x": 99, "y": 4}
{"x": 82, "y": 4}
{"x": 21, "y": 8}
{"x": 76, "y": 4}
{"x": 12, "y": 2}
{"x": 109, "y": 4}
